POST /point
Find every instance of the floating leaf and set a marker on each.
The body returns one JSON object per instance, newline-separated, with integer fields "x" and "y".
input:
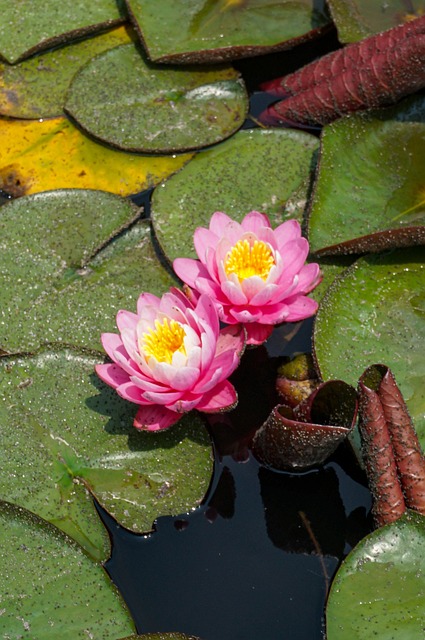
{"x": 63, "y": 430}
{"x": 54, "y": 154}
{"x": 29, "y": 26}
{"x": 379, "y": 589}
{"x": 49, "y": 588}
{"x": 267, "y": 170}
{"x": 127, "y": 102}
{"x": 375, "y": 312}
{"x": 57, "y": 283}
{"x": 36, "y": 87}
{"x": 223, "y": 30}
{"x": 372, "y": 196}
{"x": 357, "y": 19}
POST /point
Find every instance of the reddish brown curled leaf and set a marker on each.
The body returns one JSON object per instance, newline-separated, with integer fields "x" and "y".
{"x": 304, "y": 436}
{"x": 374, "y": 72}
{"x": 380, "y": 465}
{"x": 407, "y": 449}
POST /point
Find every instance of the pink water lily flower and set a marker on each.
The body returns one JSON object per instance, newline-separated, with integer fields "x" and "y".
{"x": 256, "y": 276}
{"x": 171, "y": 357}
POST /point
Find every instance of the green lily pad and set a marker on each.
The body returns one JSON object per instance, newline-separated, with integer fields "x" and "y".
{"x": 372, "y": 196}
{"x": 57, "y": 282}
{"x": 36, "y": 88}
{"x": 264, "y": 169}
{"x": 49, "y": 588}
{"x": 358, "y": 19}
{"x": 63, "y": 431}
{"x": 129, "y": 103}
{"x": 225, "y": 29}
{"x": 375, "y": 313}
{"x": 29, "y": 26}
{"x": 379, "y": 590}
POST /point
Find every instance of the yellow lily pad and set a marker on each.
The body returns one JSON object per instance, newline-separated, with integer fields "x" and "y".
{"x": 53, "y": 154}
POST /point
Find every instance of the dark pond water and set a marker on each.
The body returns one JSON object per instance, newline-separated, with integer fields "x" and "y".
{"x": 255, "y": 561}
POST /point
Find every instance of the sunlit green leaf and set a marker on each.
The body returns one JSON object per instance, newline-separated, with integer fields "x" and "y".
{"x": 268, "y": 170}
{"x": 223, "y": 29}
{"x": 62, "y": 430}
{"x": 371, "y": 196}
{"x": 54, "y": 154}
{"x": 375, "y": 313}
{"x": 49, "y": 588}
{"x": 378, "y": 592}
{"x": 28, "y": 26}
{"x": 125, "y": 101}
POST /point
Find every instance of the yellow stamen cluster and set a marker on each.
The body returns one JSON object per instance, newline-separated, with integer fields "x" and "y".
{"x": 247, "y": 260}
{"x": 163, "y": 341}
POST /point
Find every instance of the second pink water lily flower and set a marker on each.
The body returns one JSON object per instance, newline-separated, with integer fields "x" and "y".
{"x": 171, "y": 357}
{"x": 256, "y": 276}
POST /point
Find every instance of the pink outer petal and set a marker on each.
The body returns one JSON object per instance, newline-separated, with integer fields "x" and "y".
{"x": 207, "y": 312}
{"x": 111, "y": 342}
{"x": 112, "y": 374}
{"x": 208, "y": 287}
{"x": 218, "y": 223}
{"x": 233, "y": 293}
{"x": 294, "y": 257}
{"x": 189, "y": 270}
{"x": 287, "y": 232}
{"x": 246, "y": 315}
{"x": 127, "y": 319}
{"x": 166, "y": 398}
{"x": 130, "y": 392}
{"x": 265, "y": 295}
{"x": 258, "y": 333}
{"x": 301, "y": 308}
{"x": 146, "y": 299}
{"x": 155, "y": 418}
{"x": 254, "y": 221}
{"x": 222, "y": 398}
{"x": 203, "y": 239}
{"x": 308, "y": 278}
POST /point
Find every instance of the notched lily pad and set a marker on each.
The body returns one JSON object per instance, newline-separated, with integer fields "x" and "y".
{"x": 264, "y": 169}
{"x": 63, "y": 430}
{"x": 36, "y": 88}
{"x": 358, "y": 19}
{"x": 49, "y": 587}
{"x": 372, "y": 196}
{"x": 132, "y": 104}
{"x": 54, "y": 154}
{"x": 375, "y": 312}
{"x": 29, "y": 26}
{"x": 379, "y": 589}
{"x": 59, "y": 282}
{"x": 224, "y": 29}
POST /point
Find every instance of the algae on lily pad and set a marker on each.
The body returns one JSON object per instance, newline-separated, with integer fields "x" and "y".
{"x": 59, "y": 282}
{"x": 378, "y": 592}
{"x": 375, "y": 313}
{"x": 36, "y": 88}
{"x": 49, "y": 588}
{"x": 358, "y": 19}
{"x": 55, "y": 154}
{"x": 264, "y": 169}
{"x": 122, "y": 99}
{"x": 372, "y": 196}
{"x": 63, "y": 431}
{"x": 224, "y": 29}
{"x": 29, "y": 26}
